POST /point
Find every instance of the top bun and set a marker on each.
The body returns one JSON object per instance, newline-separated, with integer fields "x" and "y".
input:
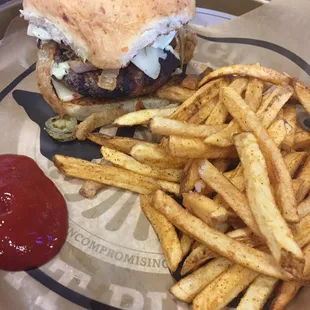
{"x": 108, "y": 33}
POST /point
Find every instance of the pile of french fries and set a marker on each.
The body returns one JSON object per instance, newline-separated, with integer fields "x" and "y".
{"x": 236, "y": 157}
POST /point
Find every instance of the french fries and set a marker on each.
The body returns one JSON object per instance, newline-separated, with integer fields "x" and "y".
{"x": 142, "y": 117}
{"x": 205, "y": 209}
{"x": 193, "y": 104}
{"x": 216, "y": 241}
{"x": 122, "y": 144}
{"x": 255, "y": 70}
{"x": 224, "y": 289}
{"x": 155, "y": 156}
{"x": 258, "y": 293}
{"x": 270, "y": 222}
{"x": 278, "y": 171}
{"x": 195, "y": 148}
{"x": 167, "y": 127}
{"x": 233, "y": 197}
{"x": 108, "y": 175}
{"x": 239, "y": 167}
{"x": 189, "y": 287}
{"x": 97, "y": 119}
{"x": 165, "y": 231}
{"x": 122, "y": 160}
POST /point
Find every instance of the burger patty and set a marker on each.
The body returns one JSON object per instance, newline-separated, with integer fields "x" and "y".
{"x": 131, "y": 81}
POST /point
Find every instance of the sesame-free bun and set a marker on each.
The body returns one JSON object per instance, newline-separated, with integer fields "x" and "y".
{"x": 108, "y": 33}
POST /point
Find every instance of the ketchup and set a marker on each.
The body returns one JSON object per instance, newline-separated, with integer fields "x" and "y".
{"x": 33, "y": 215}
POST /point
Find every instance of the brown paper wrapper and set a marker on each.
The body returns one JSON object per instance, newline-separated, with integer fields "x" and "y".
{"x": 112, "y": 258}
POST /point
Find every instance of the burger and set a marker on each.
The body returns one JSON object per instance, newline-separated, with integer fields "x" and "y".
{"x": 94, "y": 55}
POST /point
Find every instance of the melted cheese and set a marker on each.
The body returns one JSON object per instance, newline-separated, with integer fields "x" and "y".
{"x": 64, "y": 93}
{"x": 59, "y": 70}
{"x": 38, "y": 32}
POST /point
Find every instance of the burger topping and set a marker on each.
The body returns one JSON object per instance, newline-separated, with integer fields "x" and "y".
{"x": 38, "y": 32}
{"x": 64, "y": 93}
{"x": 59, "y": 70}
{"x": 108, "y": 79}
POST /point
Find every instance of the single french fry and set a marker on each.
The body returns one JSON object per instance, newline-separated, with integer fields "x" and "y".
{"x": 174, "y": 93}
{"x": 304, "y": 175}
{"x": 167, "y": 127}
{"x": 285, "y": 294}
{"x": 303, "y": 94}
{"x": 257, "y": 293}
{"x": 96, "y": 120}
{"x": 301, "y": 231}
{"x": 267, "y": 215}
{"x": 193, "y": 104}
{"x": 235, "y": 198}
{"x": 224, "y": 289}
{"x": 142, "y": 117}
{"x": 293, "y": 161}
{"x": 220, "y": 113}
{"x": 170, "y": 187}
{"x": 205, "y": 208}
{"x": 165, "y": 231}
{"x": 190, "y": 176}
{"x": 90, "y": 188}
{"x": 221, "y": 164}
{"x": 189, "y": 287}
{"x": 122, "y": 144}
{"x": 156, "y": 156}
{"x": 186, "y": 243}
{"x": 279, "y": 174}
{"x": 304, "y": 208}
{"x": 290, "y": 118}
{"x": 215, "y": 240}
{"x": 125, "y": 161}
{"x": 203, "y": 113}
{"x": 254, "y": 93}
{"x": 302, "y": 139}
{"x": 255, "y": 70}
{"x": 195, "y": 148}
{"x": 277, "y": 131}
{"x": 108, "y": 175}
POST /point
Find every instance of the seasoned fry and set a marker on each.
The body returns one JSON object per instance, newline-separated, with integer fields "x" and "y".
{"x": 142, "y": 116}
{"x": 302, "y": 139}
{"x": 122, "y": 144}
{"x": 301, "y": 231}
{"x": 255, "y": 70}
{"x": 195, "y": 148}
{"x": 206, "y": 93}
{"x": 108, "y": 175}
{"x": 257, "y": 293}
{"x": 165, "y": 231}
{"x": 280, "y": 176}
{"x": 235, "y": 198}
{"x": 186, "y": 243}
{"x": 122, "y": 160}
{"x": 220, "y": 113}
{"x": 215, "y": 240}
{"x": 293, "y": 161}
{"x": 304, "y": 175}
{"x": 189, "y": 287}
{"x": 205, "y": 110}
{"x": 224, "y": 289}
{"x": 190, "y": 176}
{"x": 191, "y": 81}
{"x": 166, "y": 127}
{"x": 170, "y": 187}
{"x": 174, "y": 93}
{"x": 96, "y": 120}
{"x": 303, "y": 208}
{"x": 254, "y": 93}
{"x": 285, "y": 294}
{"x": 90, "y": 188}
{"x": 267, "y": 215}
{"x": 205, "y": 208}
{"x": 202, "y": 253}
{"x": 156, "y": 156}
{"x": 277, "y": 131}
{"x": 303, "y": 94}
{"x": 290, "y": 118}
{"x": 221, "y": 164}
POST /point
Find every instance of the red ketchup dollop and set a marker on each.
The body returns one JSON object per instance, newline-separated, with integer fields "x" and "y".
{"x": 33, "y": 215}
